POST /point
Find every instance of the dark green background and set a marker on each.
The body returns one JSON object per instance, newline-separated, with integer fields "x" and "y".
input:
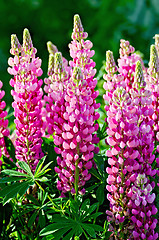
{"x": 106, "y": 21}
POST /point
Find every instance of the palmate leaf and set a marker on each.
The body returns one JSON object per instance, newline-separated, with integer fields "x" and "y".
{"x": 89, "y": 229}
{"x": 11, "y": 179}
{"x": 14, "y": 189}
{"x": 14, "y": 173}
{"x": 23, "y": 165}
{"x": 39, "y": 165}
{"x": 54, "y": 227}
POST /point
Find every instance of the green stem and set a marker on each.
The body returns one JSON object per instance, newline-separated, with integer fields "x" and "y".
{"x": 54, "y": 205}
{"x": 76, "y": 174}
{"x": 85, "y": 234}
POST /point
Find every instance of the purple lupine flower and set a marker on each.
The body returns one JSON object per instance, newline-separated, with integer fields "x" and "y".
{"x": 27, "y": 94}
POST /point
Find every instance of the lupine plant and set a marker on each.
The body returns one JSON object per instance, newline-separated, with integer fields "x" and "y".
{"x": 58, "y": 178}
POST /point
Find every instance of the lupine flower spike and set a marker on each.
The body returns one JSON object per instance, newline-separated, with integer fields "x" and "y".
{"x": 27, "y": 96}
{"x": 74, "y": 135}
{"x": 4, "y": 131}
{"x": 80, "y": 51}
{"x": 129, "y": 131}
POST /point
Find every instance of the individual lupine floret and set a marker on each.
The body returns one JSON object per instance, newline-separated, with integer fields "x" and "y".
{"x": 4, "y": 131}
{"x": 74, "y": 134}
{"x": 27, "y": 94}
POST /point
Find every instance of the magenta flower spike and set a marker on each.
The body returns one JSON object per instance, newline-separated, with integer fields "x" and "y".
{"x": 152, "y": 81}
{"x": 27, "y": 95}
{"x": 55, "y": 83}
{"x": 143, "y": 198}
{"x": 131, "y": 144}
{"x": 80, "y": 51}
{"x": 127, "y": 63}
{"x": 4, "y": 131}
{"x": 74, "y": 130}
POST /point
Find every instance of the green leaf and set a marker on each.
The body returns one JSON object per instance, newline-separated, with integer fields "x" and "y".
{"x": 14, "y": 173}
{"x": 32, "y": 219}
{"x": 39, "y": 166}
{"x": 85, "y": 205}
{"x": 94, "y": 172}
{"x": 54, "y": 226}
{"x": 10, "y": 148}
{"x": 99, "y": 160}
{"x": 44, "y": 170}
{"x": 43, "y": 179}
{"x": 12, "y": 190}
{"x": 90, "y": 230}
{"x": 94, "y": 215}
{"x": 107, "y": 234}
{"x": 100, "y": 193}
{"x": 23, "y": 165}
{"x": 42, "y": 220}
{"x": 69, "y": 235}
{"x": 34, "y": 200}
{"x": 11, "y": 179}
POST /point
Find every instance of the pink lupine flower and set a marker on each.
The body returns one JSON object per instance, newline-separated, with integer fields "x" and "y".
{"x": 80, "y": 51}
{"x": 74, "y": 128}
{"x": 4, "y": 131}
{"x": 127, "y": 63}
{"x": 58, "y": 73}
{"x": 131, "y": 146}
{"x": 27, "y": 94}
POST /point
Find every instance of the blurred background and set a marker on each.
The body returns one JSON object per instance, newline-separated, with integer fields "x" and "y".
{"x": 106, "y": 22}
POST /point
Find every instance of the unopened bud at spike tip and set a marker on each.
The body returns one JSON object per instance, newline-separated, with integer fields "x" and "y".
{"x": 77, "y": 74}
{"x": 52, "y": 49}
{"x": 51, "y": 65}
{"x": 153, "y": 64}
{"x": 156, "y": 37}
{"x": 27, "y": 42}
{"x": 110, "y": 63}
{"x": 58, "y": 63}
{"x": 15, "y": 45}
{"x": 139, "y": 76}
{"x": 77, "y": 24}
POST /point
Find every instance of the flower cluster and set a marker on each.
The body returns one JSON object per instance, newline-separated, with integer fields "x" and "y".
{"x": 71, "y": 112}
{"x": 130, "y": 138}
{"x": 58, "y": 72}
{"x": 27, "y": 94}
{"x": 4, "y": 132}
{"x": 73, "y": 135}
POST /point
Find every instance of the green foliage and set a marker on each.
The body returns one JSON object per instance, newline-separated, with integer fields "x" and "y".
{"x": 21, "y": 181}
{"x": 76, "y": 222}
